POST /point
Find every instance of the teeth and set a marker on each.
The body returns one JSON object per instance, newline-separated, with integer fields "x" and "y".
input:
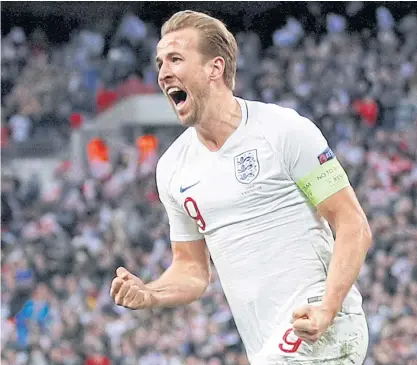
{"x": 172, "y": 89}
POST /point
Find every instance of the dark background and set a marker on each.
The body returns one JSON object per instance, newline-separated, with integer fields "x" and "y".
{"x": 58, "y": 19}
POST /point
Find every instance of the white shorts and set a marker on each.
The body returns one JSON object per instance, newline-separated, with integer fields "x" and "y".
{"x": 344, "y": 343}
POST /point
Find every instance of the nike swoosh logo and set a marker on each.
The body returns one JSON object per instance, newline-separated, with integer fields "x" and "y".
{"x": 188, "y": 187}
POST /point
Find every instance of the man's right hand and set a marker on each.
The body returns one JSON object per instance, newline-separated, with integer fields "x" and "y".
{"x": 129, "y": 291}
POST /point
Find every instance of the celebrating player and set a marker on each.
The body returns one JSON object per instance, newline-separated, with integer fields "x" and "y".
{"x": 255, "y": 186}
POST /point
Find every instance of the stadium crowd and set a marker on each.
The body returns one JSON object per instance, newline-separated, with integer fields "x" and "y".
{"x": 60, "y": 248}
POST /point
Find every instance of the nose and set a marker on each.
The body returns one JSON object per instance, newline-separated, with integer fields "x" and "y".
{"x": 165, "y": 74}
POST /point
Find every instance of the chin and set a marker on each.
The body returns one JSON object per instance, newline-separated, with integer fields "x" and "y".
{"x": 187, "y": 120}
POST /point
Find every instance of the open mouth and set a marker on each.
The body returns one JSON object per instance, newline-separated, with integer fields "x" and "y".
{"x": 178, "y": 96}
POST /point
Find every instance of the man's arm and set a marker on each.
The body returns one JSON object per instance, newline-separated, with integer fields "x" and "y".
{"x": 187, "y": 277}
{"x": 315, "y": 169}
{"x": 353, "y": 239}
{"x": 318, "y": 173}
{"x": 189, "y": 274}
{"x": 183, "y": 282}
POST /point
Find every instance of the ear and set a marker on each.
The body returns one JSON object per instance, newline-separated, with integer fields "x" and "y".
{"x": 217, "y": 68}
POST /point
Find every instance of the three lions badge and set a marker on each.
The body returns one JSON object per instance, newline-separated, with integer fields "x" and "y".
{"x": 246, "y": 166}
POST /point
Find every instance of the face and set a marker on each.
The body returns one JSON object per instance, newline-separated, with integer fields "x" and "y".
{"x": 183, "y": 74}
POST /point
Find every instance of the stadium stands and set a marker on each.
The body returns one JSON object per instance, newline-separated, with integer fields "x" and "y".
{"x": 60, "y": 246}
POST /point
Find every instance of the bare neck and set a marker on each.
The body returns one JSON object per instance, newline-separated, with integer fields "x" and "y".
{"x": 221, "y": 118}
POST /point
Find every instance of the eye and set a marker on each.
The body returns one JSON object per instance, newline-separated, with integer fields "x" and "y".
{"x": 176, "y": 59}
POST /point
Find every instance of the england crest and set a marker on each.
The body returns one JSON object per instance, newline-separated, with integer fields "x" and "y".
{"x": 247, "y": 166}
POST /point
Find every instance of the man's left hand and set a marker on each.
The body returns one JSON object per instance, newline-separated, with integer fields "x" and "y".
{"x": 311, "y": 322}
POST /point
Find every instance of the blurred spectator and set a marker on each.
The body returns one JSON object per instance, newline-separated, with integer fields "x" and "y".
{"x": 20, "y": 126}
{"x": 61, "y": 245}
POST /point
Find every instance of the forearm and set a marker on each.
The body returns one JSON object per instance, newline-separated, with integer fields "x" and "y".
{"x": 178, "y": 285}
{"x": 348, "y": 257}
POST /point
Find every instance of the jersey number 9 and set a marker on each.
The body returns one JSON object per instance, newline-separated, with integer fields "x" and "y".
{"x": 289, "y": 346}
{"x": 192, "y": 210}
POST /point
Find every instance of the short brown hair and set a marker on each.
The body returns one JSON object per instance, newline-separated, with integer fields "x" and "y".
{"x": 216, "y": 39}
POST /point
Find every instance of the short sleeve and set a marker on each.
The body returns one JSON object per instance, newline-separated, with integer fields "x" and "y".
{"x": 182, "y": 227}
{"x": 309, "y": 160}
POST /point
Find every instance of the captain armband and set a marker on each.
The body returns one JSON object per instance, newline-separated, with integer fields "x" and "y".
{"x": 324, "y": 181}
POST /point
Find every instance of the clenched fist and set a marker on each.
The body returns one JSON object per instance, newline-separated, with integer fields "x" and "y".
{"x": 129, "y": 291}
{"x": 311, "y": 322}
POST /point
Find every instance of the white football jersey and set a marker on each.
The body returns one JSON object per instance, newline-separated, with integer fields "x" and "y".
{"x": 270, "y": 247}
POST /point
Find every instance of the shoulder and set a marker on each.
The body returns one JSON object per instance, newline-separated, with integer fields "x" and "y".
{"x": 278, "y": 123}
{"x": 168, "y": 162}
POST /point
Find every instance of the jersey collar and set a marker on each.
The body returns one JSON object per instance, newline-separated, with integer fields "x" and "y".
{"x": 244, "y": 121}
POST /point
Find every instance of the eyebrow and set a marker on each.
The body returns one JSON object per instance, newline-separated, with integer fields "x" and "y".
{"x": 169, "y": 54}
